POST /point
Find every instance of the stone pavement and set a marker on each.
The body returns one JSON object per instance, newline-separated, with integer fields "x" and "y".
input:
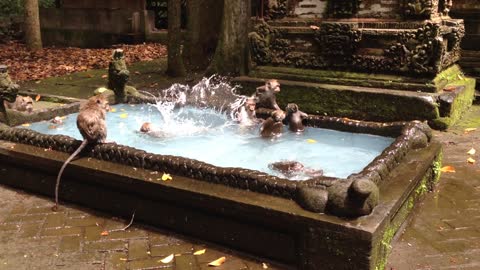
{"x": 34, "y": 237}
{"x": 444, "y": 232}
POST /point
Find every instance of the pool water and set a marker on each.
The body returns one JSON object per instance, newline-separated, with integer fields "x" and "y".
{"x": 212, "y": 137}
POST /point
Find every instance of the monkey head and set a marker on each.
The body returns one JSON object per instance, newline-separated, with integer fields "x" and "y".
{"x": 250, "y": 103}
{"x": 118, "y": 54}
{"x": 272, "y": 85}
{"x": 27, "y": 104}
{"x": 98, "y": 102}
{"x": 278, "y": 115}
{"x": 291, "y": 108}
{"x": 146, "y": 127}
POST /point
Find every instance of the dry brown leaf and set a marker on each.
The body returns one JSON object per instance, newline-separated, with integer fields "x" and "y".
{"x": 26, "y": 125}
{"x": 167, "y": 259}
{"x": 104, "y": 233}
{"x": 472, "y": 151}
{"x": 467, "y": 130}
{"x": 449, "y": 169}
{"x": 314, "y": 27}
{"x": 37, "y": 98}
{"x": 471, "y": 160}
{"x": 217, "y": 262}
{"x": 450, "y": 88}
{"x": 200, "y": 252}
{"x": 104, "y": 76}
{"x": 264, "y": 266}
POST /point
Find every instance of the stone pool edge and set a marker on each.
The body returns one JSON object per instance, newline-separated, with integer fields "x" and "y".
{"x": 261, "y": 224}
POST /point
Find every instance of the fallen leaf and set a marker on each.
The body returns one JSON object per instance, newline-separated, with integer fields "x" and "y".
{"x": 450, "y": 88}
{"x": 26, "y": 125}
{"x": 471, "y": 151}
{"x": 104, "y": 76}
{"x": 113, "y": 110}
{"x": 124, "y": 115}
{"x": 123, "y": 259}
{"x": 37, "y": 98}
{"x": 166, "y": 177}
{"x": 167, "y": 259}
{"x": 137, "y": 72}
{"x": 467, "y": 130}
{"x": 52, "y": 127}
{"x": 200, "y": 252}
{"x": 264, "y": 266}
{"x": 471, "y": 160}
{"x": 217, "y": 262}
{"x": 311, "y": 141}
{"x": 104, "y": 233}
{"x": 314, "y": 27}
{"x": 449, "y": 169}
{"x": 122, "y": 110}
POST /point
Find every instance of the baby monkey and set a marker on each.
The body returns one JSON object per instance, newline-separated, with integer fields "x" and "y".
{"x": 21, "y": 104}
{"x": 92, "y": 127}
{"x": 273, "y": 126}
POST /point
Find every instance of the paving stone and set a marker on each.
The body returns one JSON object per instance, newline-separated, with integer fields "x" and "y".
{"x": 69, "y": 244}
{"x": 55, "y": 220}
{"x": 171, "y": 249}
{"x": 9, "y": 227}
{"x": 138, "y": 249}
{"x": 186, "y": 262}
{"x": 150, "y": 263}
{"x": 116, "y": 261}
{"x": 83, "y": 221}
{"x": 41, "y": 210}
{"x": 93, "y": 233}
{"x": 29, "y": 230}
{"x": 109, "y": 245}
{"x": 62, "y": 231}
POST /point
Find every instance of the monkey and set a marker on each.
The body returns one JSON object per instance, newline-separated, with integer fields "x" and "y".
{"x": 246, "y": 114}
{"x": 21, "y": 104}
{"x": 146, "y": 127}
{"x": 273, "y": 126}
{"x": 150, "y": 129}
{"x": 92, "y": 127}
{"x": 293, "y": 168}
{"x": 294, "y": 118}
{"x": 266, "y": 95}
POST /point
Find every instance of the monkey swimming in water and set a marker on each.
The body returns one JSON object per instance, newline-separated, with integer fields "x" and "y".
{"x": 92, "y": 127}
{"x": 294, "y": 118}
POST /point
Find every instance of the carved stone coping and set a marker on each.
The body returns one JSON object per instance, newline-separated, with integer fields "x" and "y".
{"x": 322, "y": 194}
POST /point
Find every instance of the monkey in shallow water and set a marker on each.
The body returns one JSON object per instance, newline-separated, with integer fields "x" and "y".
{"x": 294, "y": 118}
{"x": 92, "y": 126}
{"x": 21, "y": 104}
{"x": 273, "y": 126}
{"x": 266, "y": 95}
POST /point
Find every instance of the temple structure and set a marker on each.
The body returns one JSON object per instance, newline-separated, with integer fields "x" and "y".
{"x": 368, "y": 59}
{"x": 91, "y": 23}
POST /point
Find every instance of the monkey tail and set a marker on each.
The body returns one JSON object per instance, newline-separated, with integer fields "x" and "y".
{"x": 69, "y": 159}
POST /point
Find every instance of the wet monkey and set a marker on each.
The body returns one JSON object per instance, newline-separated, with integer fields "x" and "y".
{"x": 92, "y": 126}
{"x": 266, "y": 95}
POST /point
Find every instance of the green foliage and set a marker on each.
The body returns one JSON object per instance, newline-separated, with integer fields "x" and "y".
{"x": 9, "y": 8}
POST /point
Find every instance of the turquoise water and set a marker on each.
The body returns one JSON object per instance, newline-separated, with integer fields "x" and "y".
{"x": 211, "y": 137}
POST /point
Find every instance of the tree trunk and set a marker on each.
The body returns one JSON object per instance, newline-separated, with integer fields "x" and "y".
{"x": 33, "y": 37}
{"x": 175, "y": 62}
{"x": 231, "y": 55}
{"x": 204, "y": 18}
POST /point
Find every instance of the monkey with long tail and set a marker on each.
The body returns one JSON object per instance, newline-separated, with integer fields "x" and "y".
{"x": 92, "y": 127}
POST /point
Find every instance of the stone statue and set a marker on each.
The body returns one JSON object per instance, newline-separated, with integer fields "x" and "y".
{"x": 118, "y": 76}
{"x": 8, "y": 91}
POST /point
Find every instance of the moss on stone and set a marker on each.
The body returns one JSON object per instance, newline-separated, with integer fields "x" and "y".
{"x": 427, "y": 183}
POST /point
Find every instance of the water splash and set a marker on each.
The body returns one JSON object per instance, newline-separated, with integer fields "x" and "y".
{"x": 214, "y": 96}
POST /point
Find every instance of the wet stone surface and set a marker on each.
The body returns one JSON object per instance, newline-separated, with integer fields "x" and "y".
{"x": 444, "y": 232}
{"x": 34, "y": 237}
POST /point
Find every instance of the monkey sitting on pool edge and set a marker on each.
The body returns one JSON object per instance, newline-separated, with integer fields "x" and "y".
{"x": 21, "y": 104}
{"x": 92, "y": 127}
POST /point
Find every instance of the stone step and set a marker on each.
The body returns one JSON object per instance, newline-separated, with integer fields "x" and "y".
{"x": 370, "y": 103}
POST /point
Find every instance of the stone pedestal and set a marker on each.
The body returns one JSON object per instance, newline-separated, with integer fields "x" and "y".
{"x": 410, "y": 45}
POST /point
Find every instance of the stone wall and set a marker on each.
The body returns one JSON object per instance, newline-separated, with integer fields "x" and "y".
{"x": 469, "y": 10}
{"x": 107, "y": 4}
